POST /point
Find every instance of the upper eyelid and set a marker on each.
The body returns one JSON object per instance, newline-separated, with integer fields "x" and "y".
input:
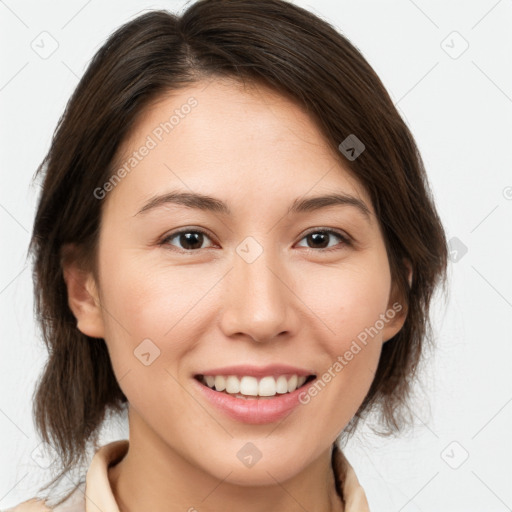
{"x": 338, "y": 232}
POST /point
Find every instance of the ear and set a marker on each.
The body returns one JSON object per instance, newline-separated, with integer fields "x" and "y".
{"x": 396, "y": 312}
{"x": 83, "y": 296}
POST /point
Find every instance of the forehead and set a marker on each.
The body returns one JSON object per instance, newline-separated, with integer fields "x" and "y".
{"x": 218, "y": 137}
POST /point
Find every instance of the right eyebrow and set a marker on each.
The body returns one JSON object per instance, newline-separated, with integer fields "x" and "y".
{"x": 189, "y": 199}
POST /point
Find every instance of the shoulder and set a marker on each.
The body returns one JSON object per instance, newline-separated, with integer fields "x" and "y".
{"x": 33, "y": 505}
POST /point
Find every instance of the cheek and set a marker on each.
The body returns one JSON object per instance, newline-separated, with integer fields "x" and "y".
{"x": 161, "y": 303}
{"x": 132, "y": 293}
{"x": 148, "y": 329}
{"x": 348, "y": 299}
{"x": 350, "y": 360}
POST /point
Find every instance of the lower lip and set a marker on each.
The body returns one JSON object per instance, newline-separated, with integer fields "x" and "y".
{"x": 254, "y": 410}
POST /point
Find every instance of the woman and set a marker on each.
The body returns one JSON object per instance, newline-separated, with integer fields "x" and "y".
{"x": 236, "y": 243}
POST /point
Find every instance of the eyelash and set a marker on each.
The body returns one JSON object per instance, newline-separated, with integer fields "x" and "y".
{"x": 344, "y": 239}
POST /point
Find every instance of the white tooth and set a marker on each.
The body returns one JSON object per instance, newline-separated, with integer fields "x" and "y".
{"x": 292, "y": 383}
{"x": 267, "y": 386}
{"x": 220, "y": 383}
{"x": 249, "y": 386}
{"x": 282, "y": 384}
{"x": 232, "y": 384}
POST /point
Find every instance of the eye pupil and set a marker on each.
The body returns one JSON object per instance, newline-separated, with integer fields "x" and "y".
{"x": 320, "y": 237}
{"x": 191, "y": 240}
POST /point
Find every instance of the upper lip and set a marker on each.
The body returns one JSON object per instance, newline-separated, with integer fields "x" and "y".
{"x": 258, "y": 371}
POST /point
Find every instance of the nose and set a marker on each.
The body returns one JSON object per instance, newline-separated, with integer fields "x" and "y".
{"x": 258, "y": 302}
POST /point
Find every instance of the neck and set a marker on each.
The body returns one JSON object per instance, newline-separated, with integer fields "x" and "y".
{"x": 153, "y": 476}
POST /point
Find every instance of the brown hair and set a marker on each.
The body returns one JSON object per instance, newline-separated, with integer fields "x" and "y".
{"x": 297, "y": 54}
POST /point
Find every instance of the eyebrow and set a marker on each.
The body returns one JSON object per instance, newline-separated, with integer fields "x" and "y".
{"x": 212, "y": 204}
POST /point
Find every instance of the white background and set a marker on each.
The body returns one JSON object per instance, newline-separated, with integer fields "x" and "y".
{"x": 460, "y": 112}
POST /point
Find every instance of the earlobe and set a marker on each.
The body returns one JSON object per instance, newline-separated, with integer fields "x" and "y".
{"x": 408, "y": 264}
{"x": 396, "y": 313}
{"x": 83, "y": 297}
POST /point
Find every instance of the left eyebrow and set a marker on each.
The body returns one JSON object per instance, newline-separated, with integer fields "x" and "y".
{"x": 212, "y": 204}
{"x": 309, "y": 204}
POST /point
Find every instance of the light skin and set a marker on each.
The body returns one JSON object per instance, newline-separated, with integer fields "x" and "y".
{"x": 207, "y": 307}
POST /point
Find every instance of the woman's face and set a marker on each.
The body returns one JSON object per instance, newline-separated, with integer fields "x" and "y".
{"x": 262, "y": 280}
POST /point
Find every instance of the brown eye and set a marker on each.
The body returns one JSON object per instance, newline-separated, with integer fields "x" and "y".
{"x": 321, "y": 238}
{"x": 188, "y": 240}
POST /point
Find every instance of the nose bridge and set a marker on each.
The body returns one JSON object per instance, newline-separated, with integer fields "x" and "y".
{"x": 257, "y": 301}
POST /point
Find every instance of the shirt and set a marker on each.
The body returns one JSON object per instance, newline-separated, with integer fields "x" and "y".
{"x": 96, "y": 494}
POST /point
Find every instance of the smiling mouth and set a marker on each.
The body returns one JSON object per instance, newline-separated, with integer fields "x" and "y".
{"x": 250, "y": 387}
